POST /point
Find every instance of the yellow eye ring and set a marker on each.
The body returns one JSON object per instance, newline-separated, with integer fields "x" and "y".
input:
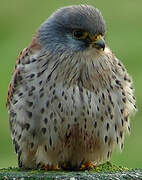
{"x": 79, "y": 34}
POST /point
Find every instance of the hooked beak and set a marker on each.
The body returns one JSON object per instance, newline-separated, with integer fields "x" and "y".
{"x": 98, "y": 42}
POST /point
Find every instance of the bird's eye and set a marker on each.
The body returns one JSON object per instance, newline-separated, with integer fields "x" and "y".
{"x": 79, "y": 34}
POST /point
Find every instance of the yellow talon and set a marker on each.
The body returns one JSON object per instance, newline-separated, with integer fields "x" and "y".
{"x": 49, "y": 167}
{"x": 88, "y": 166}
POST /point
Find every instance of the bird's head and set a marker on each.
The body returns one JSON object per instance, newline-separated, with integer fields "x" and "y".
{"x": 73, "y": 29}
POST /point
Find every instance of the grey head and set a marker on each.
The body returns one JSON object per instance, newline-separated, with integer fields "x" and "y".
{"x": 73, "y": 29}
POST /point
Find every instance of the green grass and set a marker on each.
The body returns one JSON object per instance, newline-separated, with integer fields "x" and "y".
{"x": 103, "y": 171}
{"x": 18, "y": 22}
{"x": 117, "y": 173}
{"x": 106, "y": 167}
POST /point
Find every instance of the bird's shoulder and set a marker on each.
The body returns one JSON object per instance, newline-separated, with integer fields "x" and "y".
{"x": 25, "y": 58}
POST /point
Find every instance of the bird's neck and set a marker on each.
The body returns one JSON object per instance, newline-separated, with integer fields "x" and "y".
{"x": 89, "y": 70}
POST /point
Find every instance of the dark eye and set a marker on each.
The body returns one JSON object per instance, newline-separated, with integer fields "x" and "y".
{"x": 79, "y": 34}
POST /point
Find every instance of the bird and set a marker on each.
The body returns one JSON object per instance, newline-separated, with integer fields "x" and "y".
{"x": 70, "y": 98}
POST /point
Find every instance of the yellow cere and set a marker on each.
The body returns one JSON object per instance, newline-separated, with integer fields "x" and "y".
{"x": 96, "y": 37}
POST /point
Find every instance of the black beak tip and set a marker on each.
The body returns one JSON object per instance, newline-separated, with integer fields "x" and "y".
{"x": 103, "y": 48}
{"x": 100, "y": 44}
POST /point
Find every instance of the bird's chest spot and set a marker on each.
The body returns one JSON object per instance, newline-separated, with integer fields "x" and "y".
{"x": 79, "y": 102}
{"x": 84, "y": 105}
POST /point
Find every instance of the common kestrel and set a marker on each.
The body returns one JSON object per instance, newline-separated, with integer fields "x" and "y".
{"x": 70, "y": 98}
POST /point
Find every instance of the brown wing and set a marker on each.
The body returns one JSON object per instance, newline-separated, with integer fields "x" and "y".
{"x": 23, "y": 58}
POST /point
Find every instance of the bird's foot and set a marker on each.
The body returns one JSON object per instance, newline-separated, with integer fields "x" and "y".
{"x": 48, "y": 167}
{"x": 87, "y": 166}
{"x": 64, "y": 166}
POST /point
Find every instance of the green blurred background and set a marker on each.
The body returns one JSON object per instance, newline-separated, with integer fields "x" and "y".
{"x": 18, "y": 22}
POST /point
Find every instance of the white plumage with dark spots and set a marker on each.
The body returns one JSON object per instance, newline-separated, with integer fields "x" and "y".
{"x": 70, "y": 98}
